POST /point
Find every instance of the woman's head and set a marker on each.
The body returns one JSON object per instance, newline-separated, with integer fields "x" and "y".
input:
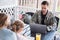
{"x": 17, "y": 26}
{"x": 3, "y": 19}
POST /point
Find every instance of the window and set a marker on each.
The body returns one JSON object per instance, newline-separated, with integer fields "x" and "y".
{"x": 53, "y": 4}
{"x": 58, "y": 6}
{"x": 28, "y": 3}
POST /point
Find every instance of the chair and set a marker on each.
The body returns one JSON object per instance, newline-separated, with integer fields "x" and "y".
{"x": 57, "y": 19}
{"x": 30, "y": 13}
{"x": 27, "y": 17}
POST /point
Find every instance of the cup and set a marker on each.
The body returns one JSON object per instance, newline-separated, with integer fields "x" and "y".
{"x": 38, "y": 36}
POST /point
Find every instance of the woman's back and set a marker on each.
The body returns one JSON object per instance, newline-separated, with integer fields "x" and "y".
{"x": 6, "y": 34}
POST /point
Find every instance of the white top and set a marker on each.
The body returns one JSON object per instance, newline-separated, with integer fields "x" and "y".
{"x": 6, "y": 34}
{"x": 21, "y": 37}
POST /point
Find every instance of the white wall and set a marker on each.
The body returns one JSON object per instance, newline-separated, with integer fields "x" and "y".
{"x": 8, "y": 2}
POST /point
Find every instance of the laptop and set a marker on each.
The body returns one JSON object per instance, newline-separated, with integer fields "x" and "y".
{"x": 37, "y": 28}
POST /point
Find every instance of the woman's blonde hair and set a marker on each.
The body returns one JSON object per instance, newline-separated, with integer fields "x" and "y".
{"x": 17, "y": 25}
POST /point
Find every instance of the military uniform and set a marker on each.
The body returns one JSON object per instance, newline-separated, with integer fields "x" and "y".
{"x": 49, "y": 20}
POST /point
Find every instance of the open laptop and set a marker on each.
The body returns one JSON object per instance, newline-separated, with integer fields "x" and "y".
{"x": 37, "y": 28}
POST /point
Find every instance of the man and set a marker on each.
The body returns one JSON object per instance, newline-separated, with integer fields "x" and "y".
{"x": 44, "y": 17}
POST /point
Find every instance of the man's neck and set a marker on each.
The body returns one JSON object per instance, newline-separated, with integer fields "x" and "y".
{"x": 44, "y": 13}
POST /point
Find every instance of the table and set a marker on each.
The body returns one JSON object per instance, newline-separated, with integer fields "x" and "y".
{"x": 48, "y": 36}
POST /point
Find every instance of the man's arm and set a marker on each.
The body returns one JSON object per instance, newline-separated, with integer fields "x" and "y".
{"x": 34, "y": 18}
{"x": 53, "y": 25}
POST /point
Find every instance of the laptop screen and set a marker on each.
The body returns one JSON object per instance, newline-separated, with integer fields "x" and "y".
{"x": 37, "y": 28}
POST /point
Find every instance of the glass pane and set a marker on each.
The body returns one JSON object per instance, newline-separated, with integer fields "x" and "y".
{"x": 39, "y": 4}
{"x": 58, "y": 5}
{"x": 28, "y": 3}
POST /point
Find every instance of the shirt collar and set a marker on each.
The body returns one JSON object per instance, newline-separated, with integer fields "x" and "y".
{"x": 45, "y": 14}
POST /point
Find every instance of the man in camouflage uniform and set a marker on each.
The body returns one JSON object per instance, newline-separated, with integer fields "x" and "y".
{"x": 44, "y": 17}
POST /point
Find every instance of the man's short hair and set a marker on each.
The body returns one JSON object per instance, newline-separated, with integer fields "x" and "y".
{"x": 45, "y": 3}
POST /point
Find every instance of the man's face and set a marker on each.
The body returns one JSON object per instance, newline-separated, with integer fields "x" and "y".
{"x": 44, "y": 8}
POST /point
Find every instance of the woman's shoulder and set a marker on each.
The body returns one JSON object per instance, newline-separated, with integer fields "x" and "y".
{"x": 11, "y": 33}
{"x": 7, "y": 34}
{"x": 8, "y": 31}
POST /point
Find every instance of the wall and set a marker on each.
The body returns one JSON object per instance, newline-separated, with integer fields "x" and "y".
{"x": 8, "y": 2}
{"x": 9, "y": 7}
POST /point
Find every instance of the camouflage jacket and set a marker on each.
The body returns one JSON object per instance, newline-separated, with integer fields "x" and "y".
{"x": 49, "y": 20}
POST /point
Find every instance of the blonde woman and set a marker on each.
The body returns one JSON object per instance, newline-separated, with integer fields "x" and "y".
{"x": 17, "y": 27}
